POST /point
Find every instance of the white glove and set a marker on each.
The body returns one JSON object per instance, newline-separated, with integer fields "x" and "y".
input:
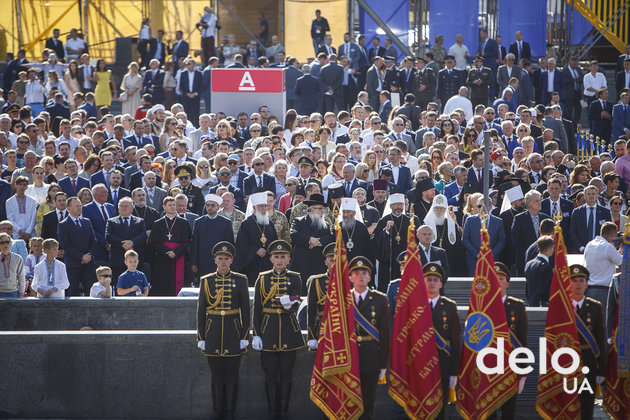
{"x": 285, "y": 301}
{"x": 312, "y": 344}
{"x": 381, "y": 375}
{"x": 521, "y": 384}
{"x": 257, "y": 343}
{"x": 599, "y": 379}
{"x": 201, "y": 345}
{"x": 244, "y": 343}
{"x": 452, "y": 383}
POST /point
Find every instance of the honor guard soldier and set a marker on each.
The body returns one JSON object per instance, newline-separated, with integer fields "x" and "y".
{"x": 317, "y": 287}
{"x": 591, "y": 330}
{"x": 223, "y": 320}
{"x": 392, "y": 290}
{"x": 371, "y": 315}
{"x": 447, "y": 329}
{"x": 516, "y": 317}
{"x": 196, "y": 202}
{"x": 276, "y": 329}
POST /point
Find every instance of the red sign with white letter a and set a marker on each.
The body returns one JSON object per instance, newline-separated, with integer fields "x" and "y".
{"x": 248, "y": 80}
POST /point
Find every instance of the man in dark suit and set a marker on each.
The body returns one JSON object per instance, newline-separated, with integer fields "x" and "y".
{"x": 51, "y": 220}
{"x": 489, "y": 50}
{"x": 292, "y": 74}
{"x": 572, "y": 88}
{"x": 86, "y": 74}
{"x": 622, "y": 78}
{"x": 539, "y": 273}
{"x": 401, "y": 175}
{"x": 179, "y": 49}
{"x": 308, "y": 92}
{"x": 115, "y": 191}
{"x": 331, "y": 79}
{"x": 621, "y": 59}
{"x": 385, "y": 107}
{"x": 449, "y": 80}
{"x": 363, "y": 63}
{"x": 407, "y": 76}
{"x": 153, "y": 82}
{"x": 547, "y": 85}
{"x": 376, "y": 50}
{"x": 471, "y": 238}
{"x": 600, "y": 115}
{"x": 478, "y": 81}
{"x": 55, "y": 44}
{"x": 58, "y": 108}
{"x": 72, "y": 183}
{"x": 374, "y": 82}
{"x": 258, "y": 180}
{"x": 554, "y": 205}
{"x": 327, "y": 47}
{"x": 507, "y": 71}
{"x": 157, "y": 47}
{"x": 411, "y": 111}
{"x": 122, "y": 233}
{"x": 526, "y": 227}
{"x": 135, "y": 180}
{"x": 621, "y": 117}
{"x": 191, "y": 91}
{"x": 429, "y": 253}
{"x": 98, "y": 212}
{"x": 476, "y": 172}
{"x": 350, "y": 182}
{"x": 76, "y": 237}
{"x": 154, "y": 194}
{"x": 137, "y": 139}
{"x": 520, "y": 48}
{"x": 587, "y": 219}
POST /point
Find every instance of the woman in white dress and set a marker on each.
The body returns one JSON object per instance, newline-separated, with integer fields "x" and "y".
{"x": 131, "y": 86}
{"x": 38, "y": 190}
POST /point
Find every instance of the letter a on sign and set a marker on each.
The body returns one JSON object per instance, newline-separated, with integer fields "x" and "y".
{"x": 247, "y": 83}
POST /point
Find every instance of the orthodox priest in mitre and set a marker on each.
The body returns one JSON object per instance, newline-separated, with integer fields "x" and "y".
{"x": 390, "y": 239}
{"x": 170, "y": 239}
{"x": 355, "y": 235}
{"x": 447, "y": 234}
{"x": 253, "y": 239}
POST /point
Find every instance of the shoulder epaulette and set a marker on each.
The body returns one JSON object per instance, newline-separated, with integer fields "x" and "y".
{"x": 207, "y": 276}
{"x": 512, "y": 298}
{"x": 593, "y": 301}
{"x": 293, "y": 273}
{"x": 239, "y": 275}
{"x": 448, "y": 300}
{"x": 378, "y": 292}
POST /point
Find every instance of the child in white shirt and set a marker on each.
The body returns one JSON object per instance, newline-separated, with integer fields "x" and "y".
{"x": 50, "y": 279}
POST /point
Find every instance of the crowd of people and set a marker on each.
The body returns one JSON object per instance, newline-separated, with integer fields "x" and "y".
{"x": 133, "y": 203}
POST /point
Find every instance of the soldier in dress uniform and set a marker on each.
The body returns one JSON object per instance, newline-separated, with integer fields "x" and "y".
{"x": 516, "y": 317}
{"x": 450, "y": 80}
{"x": 447, "y": 329}
{"x": 317, "y": 286}
{"x": 425, "y": 81}
{"x": 372, "y": 326}
{"x": 196, "y": 202}
{"x": 223, "y": 322}
{"x": 276, "y": 331}
{"x": 592, "y": 331}
{"x": 478, "y": 81}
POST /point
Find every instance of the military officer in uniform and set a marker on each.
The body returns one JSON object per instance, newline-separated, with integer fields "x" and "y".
{"x": 196, "y": 202}
{"x": 591, "y": 330}
{"x": 223, "y": 320}
{"x": 276, "y": 331}
{"x": 450, "y": 80}
{"x": 447, "y": 329}
{"x": 424, "y": 85}
{"x": 516, "y": 317}
{"x": 372, "y": 326}
{"x": 317, "y": 286}
{"x": 478, "y": 81}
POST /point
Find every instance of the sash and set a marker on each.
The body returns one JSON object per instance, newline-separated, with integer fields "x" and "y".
{"x": 364, "y": 323}
{"x": 441, "y": 343}
{"x": 179, "y": 267}
{"x": 584, "y": 332}
{"x": 516, "y": 343}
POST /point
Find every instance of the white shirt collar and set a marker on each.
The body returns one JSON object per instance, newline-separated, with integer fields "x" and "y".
{"x": 580, "y": 302}
{"x": 434, "y": 301}
{"x": 357, "y": 294}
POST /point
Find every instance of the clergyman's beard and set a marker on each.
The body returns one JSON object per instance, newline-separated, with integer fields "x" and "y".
{"x": 348, "y": 223}
{"x": 317, "y": 221}
{"x": 262, "y": 219}
{"x": 397, "y": 213}
{"x": 439, "y": 220}
{"x": 141, "y": 203}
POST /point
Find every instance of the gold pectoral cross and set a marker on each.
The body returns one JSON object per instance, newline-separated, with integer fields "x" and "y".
{"x": 263, "y": 239}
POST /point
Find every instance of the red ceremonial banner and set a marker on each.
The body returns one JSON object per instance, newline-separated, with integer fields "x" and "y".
{"x": 336, "y": 384}
{"x": 560, "y": 331}
{"x": 617, "y": 390}
{"x": 415, "y": 381}
{"x": 480, "y": 395}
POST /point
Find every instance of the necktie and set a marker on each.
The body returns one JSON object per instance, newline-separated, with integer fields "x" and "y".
{"x": 519, "y": 50}
{"x": 74, "y": 186}
{"x": 115, "y": 194}
{"x": 104, "y": 213}
{"x": 260, "y": 181}
{"x": 78, "y": 224}
{"x": 126, "y": 220}
{"x": 432, "y": 305}
{"x": 399, "y": 136}
{"x": 151, "y": 195}
{"x": 61, "y": 216}
{"x": 555, "y": 208}
{"x": 479, "y": 176}
{"x": 577, "y": 307}
{"x": 348, "y": 188}
{"x": 590, "y": 222}
{"x": 360, "y": 300}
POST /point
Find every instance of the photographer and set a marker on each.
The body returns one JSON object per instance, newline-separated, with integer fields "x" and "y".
{"x": 207, "y": 25}
{"x": 35, "y": 92}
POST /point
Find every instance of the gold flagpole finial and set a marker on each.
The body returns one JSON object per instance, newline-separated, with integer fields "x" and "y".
{"x": 411, "y": 214}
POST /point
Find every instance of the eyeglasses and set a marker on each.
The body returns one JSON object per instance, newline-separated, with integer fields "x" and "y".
{"x": 398, "y": 125}
{"x": 617, "y": 203}
{"x": 224, "y": 174}
{"x": 203, "y": 167}
{"x": 107, "y": 276}
{"x": 22, "y": 142}
{"x": 522, "y": 130}
{"x": 255, "y": 131}
{"x": 258, "y": 164}
{"x": 183, "y": 177}
{"x": 232, "y": 163}
{"x": 380, "y": 152}
{"x": 470, "y": 135}
{"x": 313, "y": 121}
{"x": 478, "y": 122}
{"x": 172, "y": 123}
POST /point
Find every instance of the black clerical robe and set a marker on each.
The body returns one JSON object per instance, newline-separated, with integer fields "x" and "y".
{"x": 455, "y": 252}
{"x": 308, "y": 261}
{"x": 207, "y": 233}
{"x": 360, "y": 241}
{"x": 251, "y": 237}
{"x": 508, "y": 255}
{"x": 170, "y": 274}
{"x": 378, "y": 205}
{"x": 421, "y": 208}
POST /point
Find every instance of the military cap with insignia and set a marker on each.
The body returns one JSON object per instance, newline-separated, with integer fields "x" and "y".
{"x": 279, "y": 247}
{"x": 299, "y": 190}
{"x": 433, "y": 269}
{"x": 578, "y": 270}
{"x": 479, "y": 58}
{"x": 503, "y": 269}
{"x": 449, "y": 57}
{"x": 360, "y": 263}
{"x": 13, "y": 108}
{"x": 335, "y": 191}
{"x": 305, "y": 160}
{"x": 421, "y": 59}
{"x": 329, "y": 250}
{"x": 182, "y": 170}
{"x": 223, "y": 248}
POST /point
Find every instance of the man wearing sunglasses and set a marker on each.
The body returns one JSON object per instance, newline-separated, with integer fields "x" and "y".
{"x": 258, "y": 180}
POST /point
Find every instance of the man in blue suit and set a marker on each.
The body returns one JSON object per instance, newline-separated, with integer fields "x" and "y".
{"x": 476, "y": 171}
{"x": 621, "y": 117}
{"x": 206, "y": 81}
{"x": 138, "y": 138}
{"x": 102, "y": 176}
{"x": 489, "y": 50}
{"x": 190, "y": 96}
{"x": 153, "y": 82}
{"x": 57, "y": 108}
{"x": 72, "y": 183}
{"x": 549, "y": 86}
{"x": 179, "y": 49}
{"x": 526, "y": 228}
{"x": 556, "y": 205}
{"x": 450, "y": 80}
{"x": 292, "y": 74}
{"x": 258, "y": 181}
{"x": 451, "y": 191}
{"x": 350, "y": 182}
{"x": 587, "y": 219}
{"x": 99, "y": 212}
{"x": 471, "y": 238}
{"x": 76, "y": 237}
{"x": 308, "y": 92}
{"x": 401, "y": 175}
{"x": 122, "y": 233}
{"x": 599, "y": 115}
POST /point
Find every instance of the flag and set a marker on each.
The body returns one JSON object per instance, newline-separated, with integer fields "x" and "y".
{"x": 480, "y": 395}
{"x": 623, "y": 329}
{"x": 336, "y": 384}
{"x": 415, "y": 381}
{"x": 560, "y": 331}
{"x": 617, "y": 390}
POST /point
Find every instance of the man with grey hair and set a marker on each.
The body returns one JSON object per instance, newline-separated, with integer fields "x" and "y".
{"x": 155, "y": 194}
{"x": 459, "y": 101}
{"x": 507, "y": 71}
{"x": 181, "y": 209}
{"x": 558, "y": 128}
{"x": 526, "y": 227}
{"x": 98, "y": 212}
{"x": 398, "y": 133}
{"x": 350, "y": 182}
{"x": 428, "y": 138}
{"x": 536, "y": 163}
{"x": 452, "y": 190}
{"x": 587, "y": 219}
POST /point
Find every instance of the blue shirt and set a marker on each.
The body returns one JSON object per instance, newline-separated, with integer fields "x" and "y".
{"x": 129, "y": 279}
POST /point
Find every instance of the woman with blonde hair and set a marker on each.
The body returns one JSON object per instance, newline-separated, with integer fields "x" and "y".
{"x": 280, "y": 170}
{"x": 47, "y": 206}
{"x": 371, "y": 161}
{"x": 220, "y": 160}
{"x": 85, "y": 195}
{"x": 130, "y": 87}
{"x": 335, "y": 172}
{"x": 362, "y": 172}
{"x": 168, "y": 174}
{"x": 471, "y": 208}
{"x": 204, "y": 178}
